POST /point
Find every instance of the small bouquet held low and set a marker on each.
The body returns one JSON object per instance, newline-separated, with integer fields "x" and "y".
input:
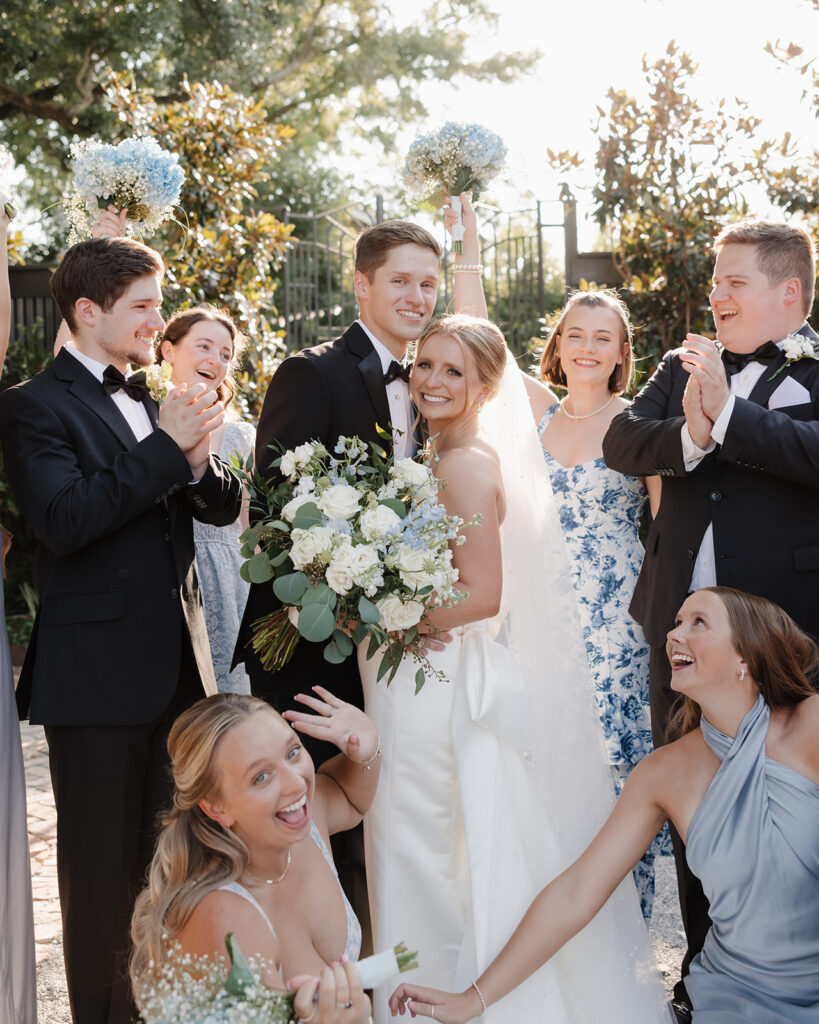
{"x": 456, "y": 158}
{"x": 135, "y": 174}
{"x": 195, "y": 990}
{"x": 356, "y": 548}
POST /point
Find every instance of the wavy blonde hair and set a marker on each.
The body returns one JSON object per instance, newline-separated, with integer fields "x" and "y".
{"x": 195, "y": 854}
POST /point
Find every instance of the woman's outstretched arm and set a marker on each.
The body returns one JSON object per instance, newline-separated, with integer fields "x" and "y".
{"x": 564, "y": 907}
{"x": 467, "y": 285}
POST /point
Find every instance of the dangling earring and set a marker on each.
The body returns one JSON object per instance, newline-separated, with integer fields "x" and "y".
{"x": 742, "y": 673}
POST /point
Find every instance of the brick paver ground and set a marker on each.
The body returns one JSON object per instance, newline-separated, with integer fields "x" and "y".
{"x": 52, "y": 999}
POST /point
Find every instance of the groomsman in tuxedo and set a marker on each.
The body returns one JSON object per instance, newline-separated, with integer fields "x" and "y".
{"x": 733, "y": 429}
{"x": 109, "y": 483}
{"x": 346, "y": 386}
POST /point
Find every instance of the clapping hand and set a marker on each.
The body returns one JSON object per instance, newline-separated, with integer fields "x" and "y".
{"x": 701, "y": 358}
{"x": 336, "y": 722}
{"x": 188, "y": 415}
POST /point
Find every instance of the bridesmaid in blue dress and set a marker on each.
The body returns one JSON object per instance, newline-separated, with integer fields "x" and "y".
{"x": 18, "y": 1003}
{"x": 589, "y": 354}
{"x": 741, "y": 785}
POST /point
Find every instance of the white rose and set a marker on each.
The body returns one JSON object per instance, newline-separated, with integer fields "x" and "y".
{"x": 303, "y": 453}
{"x": 410, "y": 473}
{"x": 341, "y": 571}
{"x": 291, "y": 508}
{"x": 309, "y": 544}
{"x": 796, "y": 347}
{"x": 288, "y": 464}
{"x": 397, "y": 614}
{"x": 375, "y": 523}
{"x": 410, "y": 563}
{"x": 339, "y": 501}
{"x": 365, "y": 560}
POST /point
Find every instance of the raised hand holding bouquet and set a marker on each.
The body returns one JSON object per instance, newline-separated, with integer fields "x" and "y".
{"x": 6, "y": 164}
{"x": 136, "y": 175}
{"x": 356, "y": 547}
{"x": 456, "y": 158}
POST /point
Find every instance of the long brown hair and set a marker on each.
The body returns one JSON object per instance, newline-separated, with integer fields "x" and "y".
{"x": 194, "y": 854}
{"x": 781, "y": 658}
{"x": 181, "y": 322}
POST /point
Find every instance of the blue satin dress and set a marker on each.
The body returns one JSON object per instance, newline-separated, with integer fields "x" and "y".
{"x": 754, "y": 844}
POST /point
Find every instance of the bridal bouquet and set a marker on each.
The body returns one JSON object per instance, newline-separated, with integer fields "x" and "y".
{"x": 456, "y": 158}
{"x": 195, "y": 990}
{"x": 135, "y": 174}
{"x": 6, "y": 164}
{"x": 356, "y": 548}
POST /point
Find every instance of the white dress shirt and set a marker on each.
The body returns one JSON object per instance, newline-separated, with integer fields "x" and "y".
{"x": 742, "y": 384}
{"x": 135, "y": 413}
{"x": 402, "y": 413}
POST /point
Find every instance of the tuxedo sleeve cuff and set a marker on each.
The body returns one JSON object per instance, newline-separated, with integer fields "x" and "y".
{"x": 721, "y": 423}
{"x": 692, "y": 453}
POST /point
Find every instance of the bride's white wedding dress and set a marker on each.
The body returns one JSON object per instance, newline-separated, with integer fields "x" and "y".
{"x": 494, "y": 779}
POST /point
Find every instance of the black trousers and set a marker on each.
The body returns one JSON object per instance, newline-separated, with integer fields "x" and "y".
{"x": 110, "y": 784}
{"x": 693, "y": 902}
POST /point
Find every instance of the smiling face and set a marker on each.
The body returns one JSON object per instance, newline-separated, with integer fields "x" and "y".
{"x": 748, "y": 310}
{"x": 201, "y": 356}
{"x": 444, "y": 383}
{"x": 701, "y": 647}
{"x": 397, "y": 300}
{"x": 127, "y": 331}
{"x": 590, "y": 345}
{"x": 266, "y": 783}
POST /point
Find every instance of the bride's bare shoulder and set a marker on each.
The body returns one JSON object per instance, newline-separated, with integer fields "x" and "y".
{"x": 477, "y": 459}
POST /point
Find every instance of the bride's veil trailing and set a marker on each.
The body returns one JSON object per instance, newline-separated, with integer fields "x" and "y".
{"x": 607, "y": 971}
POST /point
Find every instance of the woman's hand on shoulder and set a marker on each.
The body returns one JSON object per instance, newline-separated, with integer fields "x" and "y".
{"x": 336, "y": 721}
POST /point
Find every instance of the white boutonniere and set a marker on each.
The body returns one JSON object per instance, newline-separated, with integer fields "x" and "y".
{"x": 158, "y": 379}
{"x": 796, "y": 347}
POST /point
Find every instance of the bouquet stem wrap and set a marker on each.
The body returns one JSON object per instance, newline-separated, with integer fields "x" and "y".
{"x": 458, "y": 226}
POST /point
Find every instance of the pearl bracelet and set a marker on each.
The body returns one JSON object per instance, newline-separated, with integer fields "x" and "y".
{"x": 480, "y": 995}
{"x": 366, "y": 765}
{"x": 467, "y": 268}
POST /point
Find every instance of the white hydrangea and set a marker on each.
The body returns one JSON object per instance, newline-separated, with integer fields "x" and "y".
{"x": 376, "y": 523}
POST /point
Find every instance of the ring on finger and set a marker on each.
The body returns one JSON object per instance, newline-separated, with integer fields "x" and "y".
{"x": 347, "y": 1006}
{"x": 432, "y": 1013}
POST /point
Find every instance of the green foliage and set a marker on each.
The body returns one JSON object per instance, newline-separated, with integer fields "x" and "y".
{"x": 231, "y": 251}
{"x": 26, "y": 356}
{"x": 325, "y": 66}
{"x": 669, "y": 177}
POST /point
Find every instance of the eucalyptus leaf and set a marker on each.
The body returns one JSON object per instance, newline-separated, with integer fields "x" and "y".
{"x": 360, "y": 632}
{"x": 280, "y": 559}
{"x": 320, "y": 594}
{"x": 289, "y": 588}
{"x": 308, "y": 515}
{"x": 387, "y": 663}
{"x": 420, "y": 679}
{"x": 343, "y": 642}
{"x": 333, "y": 654}
{"x": 241, "y": 976}
{"x": 368, "y": 611}
{"x": 374, "y": 644}
{"x": 243, "y": 572}
{"x": 259, "y": 569}
{"x": 316, "y": 623}
{"x": 397, "y": 506}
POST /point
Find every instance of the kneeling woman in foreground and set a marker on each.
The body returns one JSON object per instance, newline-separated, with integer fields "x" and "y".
{"x": 742, "y": 787}
{"x": 244, "y": 849}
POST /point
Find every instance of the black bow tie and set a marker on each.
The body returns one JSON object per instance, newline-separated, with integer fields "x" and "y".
{"x": 397, "y": 372}
{"x": 736, "y": 361}
{"x": 134, "y": 386}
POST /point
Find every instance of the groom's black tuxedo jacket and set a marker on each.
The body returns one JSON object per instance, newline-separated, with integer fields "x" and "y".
{"x": 115, "y": 565}
{"x": 315, "y": 395}
{"x": 760, "y": 489}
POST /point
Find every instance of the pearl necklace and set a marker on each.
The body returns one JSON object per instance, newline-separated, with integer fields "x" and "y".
{"x": 271, "y": 881}
{"x": 588, "y": 415}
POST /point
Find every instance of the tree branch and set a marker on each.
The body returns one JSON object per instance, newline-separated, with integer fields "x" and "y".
{"x": 20, "y": 103}
{"x": 301, "y": 56}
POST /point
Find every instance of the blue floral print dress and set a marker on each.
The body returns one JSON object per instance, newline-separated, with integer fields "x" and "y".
{"x": 600, "y": 513}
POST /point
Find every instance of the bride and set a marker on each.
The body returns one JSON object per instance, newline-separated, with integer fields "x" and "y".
{"x": 494, "y": 774}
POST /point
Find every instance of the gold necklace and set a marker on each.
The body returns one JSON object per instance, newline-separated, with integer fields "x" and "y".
{"x": 271, "y": 881}
{"x": 588, "y": 415}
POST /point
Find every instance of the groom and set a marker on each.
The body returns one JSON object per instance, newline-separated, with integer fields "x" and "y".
{"x": 110, "y": 484}
{"x": 347, "y": 386}
{"x": 734, "y": 433}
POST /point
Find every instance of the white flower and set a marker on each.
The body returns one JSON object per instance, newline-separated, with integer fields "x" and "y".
{"x": 303, "y": 453}
{"x": 397, "y": 614}
{"x": 158, "y": 380}
{"x": 339, "y": 501}
{"x": 341, "y": 571}
{"x": 309, "y": 544}
{"x": 291, "y": 508}
{"x": 288, "y": 464}
{"x": 410, "y": 472}
{"x": 376, "y": 523}
{"x": 416, "y": 566}
{"x": 797, "y": 347}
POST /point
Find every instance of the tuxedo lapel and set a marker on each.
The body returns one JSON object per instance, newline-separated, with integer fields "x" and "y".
{"x": 84, "y": 386}
{"x": 152, "y": 409}
{"x": 371, "y": 372}
{"x": 765, "y": 386}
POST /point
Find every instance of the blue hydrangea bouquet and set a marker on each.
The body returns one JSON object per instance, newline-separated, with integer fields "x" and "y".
{"x": 456, "y": 158}
{"x": 135, "y": 174}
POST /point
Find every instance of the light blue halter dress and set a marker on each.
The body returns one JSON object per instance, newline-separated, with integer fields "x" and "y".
{"x": 754, "y": 844}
